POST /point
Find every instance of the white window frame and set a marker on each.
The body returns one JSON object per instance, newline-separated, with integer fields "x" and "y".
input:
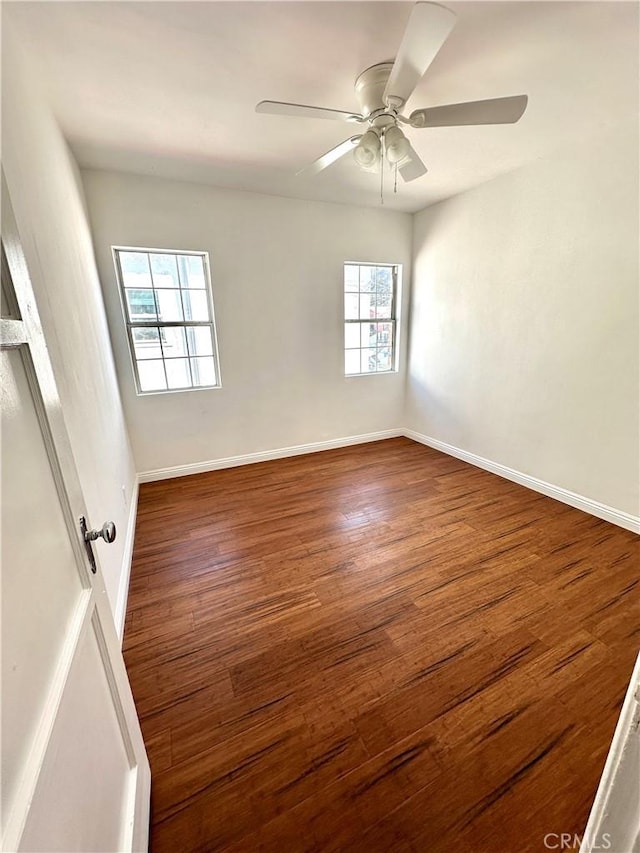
{"x": 396, "y": 272}
{"x": 159, "y": 324}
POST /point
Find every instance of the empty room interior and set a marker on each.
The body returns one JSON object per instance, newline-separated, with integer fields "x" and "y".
{"x": 320, "y": 426}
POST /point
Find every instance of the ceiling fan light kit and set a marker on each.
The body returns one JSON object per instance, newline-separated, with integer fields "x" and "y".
{"x": 382, "y": 91}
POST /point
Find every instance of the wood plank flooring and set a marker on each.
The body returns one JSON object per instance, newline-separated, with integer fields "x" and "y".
{"x": 377, "y": 648}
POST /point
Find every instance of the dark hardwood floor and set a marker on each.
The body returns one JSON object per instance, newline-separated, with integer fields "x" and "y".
{"x": 377, "y": 648}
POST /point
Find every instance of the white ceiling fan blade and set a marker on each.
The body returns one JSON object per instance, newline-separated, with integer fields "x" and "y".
{"x": 427, "y": 30}
{"x": 281, "y": 108}
{"x": 331, "y": 156}
{"x": 412, "y": 167}
{"x": 493, "y": 111}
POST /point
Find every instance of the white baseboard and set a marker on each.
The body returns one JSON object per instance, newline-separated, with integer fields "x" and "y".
{"x": 600, "y": 510}
{"x": 264, "y": 456}
{"x": 622, "y": 519}
{"x": 608, "y": 513}
{"x": 127, "y": 554}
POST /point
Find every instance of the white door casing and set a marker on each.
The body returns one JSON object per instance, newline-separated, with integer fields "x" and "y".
{"x": 614, "y": 822}
{"x": 75, "y": 775}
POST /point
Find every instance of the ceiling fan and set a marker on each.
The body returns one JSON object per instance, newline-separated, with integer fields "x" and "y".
{"x": 382, "y": 91}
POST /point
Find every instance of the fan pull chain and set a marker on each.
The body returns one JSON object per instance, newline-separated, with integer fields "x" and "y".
{"x": 382, "y": 158}
{"x": 395, "y": 179}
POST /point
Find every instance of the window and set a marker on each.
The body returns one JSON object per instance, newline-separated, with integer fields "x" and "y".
{"x": 168, "y": 309}
{"x": 370, "y": 296}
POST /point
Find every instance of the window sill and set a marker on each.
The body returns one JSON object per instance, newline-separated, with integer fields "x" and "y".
{"x": 168, "y": 391}
{"x": 371, "y": 373}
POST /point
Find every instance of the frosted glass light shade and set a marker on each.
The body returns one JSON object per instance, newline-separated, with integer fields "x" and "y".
{"x": 367, "y": 151}
{"x": 397, "y": 145}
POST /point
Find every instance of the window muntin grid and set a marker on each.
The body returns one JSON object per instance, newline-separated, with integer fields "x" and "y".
{"x": 168, "y": 311}
{"x": 370, "y": 294}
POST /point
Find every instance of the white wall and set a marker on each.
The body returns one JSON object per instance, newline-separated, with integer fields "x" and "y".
{"x": 524, "y": 340}
{"x": 46, "y": 192}
{"x": 277, "y": 286}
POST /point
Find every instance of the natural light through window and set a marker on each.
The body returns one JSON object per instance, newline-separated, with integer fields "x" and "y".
{"x": 370, "y": 295}
{"x": 168, "y": 308}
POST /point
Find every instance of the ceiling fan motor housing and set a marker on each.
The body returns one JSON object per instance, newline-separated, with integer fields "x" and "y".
{"x": 370, "y": 86}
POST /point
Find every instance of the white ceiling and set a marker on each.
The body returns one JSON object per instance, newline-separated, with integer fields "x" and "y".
{"x": 169, "y": 88}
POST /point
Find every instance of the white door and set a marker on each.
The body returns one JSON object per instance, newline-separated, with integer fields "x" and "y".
{"x": 75, "y": 775}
